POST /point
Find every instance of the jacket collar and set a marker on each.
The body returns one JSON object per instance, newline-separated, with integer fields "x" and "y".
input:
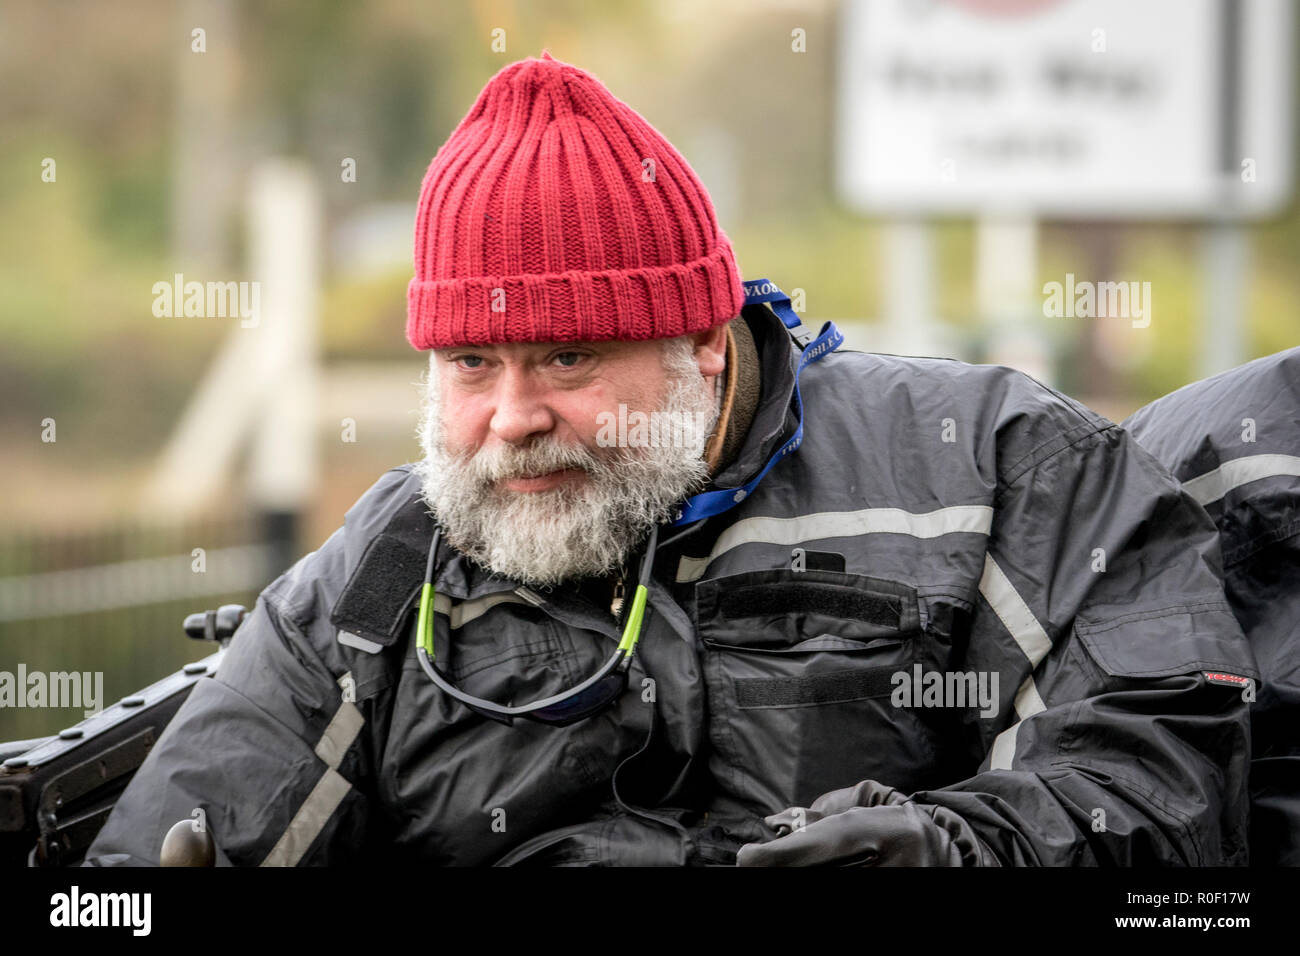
{"x": 772, "y": 419}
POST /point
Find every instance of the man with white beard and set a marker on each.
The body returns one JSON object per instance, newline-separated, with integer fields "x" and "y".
{"x": 531, "y": 647}
{"x": 585, "y": 520}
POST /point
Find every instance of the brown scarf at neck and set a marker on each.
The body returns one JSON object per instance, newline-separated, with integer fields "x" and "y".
{"x": 740, "y": 396}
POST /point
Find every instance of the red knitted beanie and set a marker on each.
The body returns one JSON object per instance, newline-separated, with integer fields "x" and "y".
{"x": 554, "y": 212}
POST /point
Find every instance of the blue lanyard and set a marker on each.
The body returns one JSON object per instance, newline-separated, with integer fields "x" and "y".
{"x": 710, "y": 503}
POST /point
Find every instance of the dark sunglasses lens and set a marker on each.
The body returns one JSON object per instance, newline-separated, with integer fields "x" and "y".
{"x": 591, "y": 701}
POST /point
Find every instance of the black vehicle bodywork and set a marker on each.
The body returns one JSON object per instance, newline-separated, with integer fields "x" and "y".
{"x": 56, "y": 792}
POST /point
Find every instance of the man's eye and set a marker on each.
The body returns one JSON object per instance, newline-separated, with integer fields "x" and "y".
{"x": 568, "y": 359}
{"x": 469, "y": 361}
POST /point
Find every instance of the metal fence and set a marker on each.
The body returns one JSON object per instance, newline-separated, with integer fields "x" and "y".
{"x": 110, "y": 601}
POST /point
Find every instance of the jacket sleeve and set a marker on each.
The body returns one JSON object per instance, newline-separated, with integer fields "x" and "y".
{"x": 265, "y": 748}
{"x": 1122, "y": 734}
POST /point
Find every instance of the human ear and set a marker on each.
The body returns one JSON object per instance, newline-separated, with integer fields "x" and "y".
{"x": 711, "y": 350}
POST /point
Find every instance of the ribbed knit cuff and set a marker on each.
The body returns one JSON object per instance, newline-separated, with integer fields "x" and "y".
{"x": 632, "y": 304}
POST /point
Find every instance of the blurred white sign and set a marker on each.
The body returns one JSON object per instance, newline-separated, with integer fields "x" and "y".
{"x": 1067, "y": 108}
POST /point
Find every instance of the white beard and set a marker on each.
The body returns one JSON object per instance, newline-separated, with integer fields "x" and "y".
{"x": 576, "y": 530}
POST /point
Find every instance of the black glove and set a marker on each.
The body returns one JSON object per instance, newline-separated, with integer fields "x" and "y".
{"x": 868, "y": 825}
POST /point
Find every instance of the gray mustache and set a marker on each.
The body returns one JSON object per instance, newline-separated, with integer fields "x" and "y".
{"x": 539, "y": 459}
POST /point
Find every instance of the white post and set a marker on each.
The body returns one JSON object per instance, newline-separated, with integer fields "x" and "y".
{"x": 910, "y": 326}
{"x": 1226, "y": 251}
{"x": 1008, "y": 299}
{"x": 263, "y": 382}
{"x": 284, "y": 219}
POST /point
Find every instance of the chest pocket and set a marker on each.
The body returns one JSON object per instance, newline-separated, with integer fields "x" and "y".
{"x": 799, "y": 671}
{"x": 450, "y": 774}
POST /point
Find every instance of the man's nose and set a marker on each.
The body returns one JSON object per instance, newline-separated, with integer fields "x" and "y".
{"x": 521, "y": 410}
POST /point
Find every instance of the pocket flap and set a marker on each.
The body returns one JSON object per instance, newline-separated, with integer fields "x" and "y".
{"x": 1160, "y": 641}
{"x": 778, "y": 609}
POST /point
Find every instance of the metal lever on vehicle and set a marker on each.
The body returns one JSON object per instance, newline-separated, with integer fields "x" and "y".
{"x": 188, "y": 843}
{"x": 218, "y": 625}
